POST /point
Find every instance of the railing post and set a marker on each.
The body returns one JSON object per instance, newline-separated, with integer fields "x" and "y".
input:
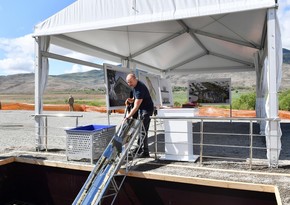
{"x": 45, "y": 124}
{"x": 278, "y": 148}
{"x": 251, "y": 143}
{"x": 201, "y": 142}
{"x": 155, "y": 135}
{"x": 77, "y": 121}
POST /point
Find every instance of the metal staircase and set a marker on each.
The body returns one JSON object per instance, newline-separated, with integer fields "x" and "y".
{"x": 103, "y": 175}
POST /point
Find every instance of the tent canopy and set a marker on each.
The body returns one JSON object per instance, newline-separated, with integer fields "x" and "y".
{"x": 164, "y": 36}
{"x": 172, "y": 36}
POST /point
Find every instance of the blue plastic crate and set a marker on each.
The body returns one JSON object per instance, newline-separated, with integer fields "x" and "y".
{"x": 88, "y": 142}
{"x": 91, "y": 128}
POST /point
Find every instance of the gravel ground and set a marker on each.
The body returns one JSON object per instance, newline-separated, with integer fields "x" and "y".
{"x": 17, "y": 133}
{"x": 17, "y": 130}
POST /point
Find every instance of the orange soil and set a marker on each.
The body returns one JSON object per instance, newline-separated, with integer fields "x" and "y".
{"x": 55, "y": 107}
{"x": 203, "y": 111}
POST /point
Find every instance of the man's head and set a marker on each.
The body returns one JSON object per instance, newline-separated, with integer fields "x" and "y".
{"x": 131, "y": 80}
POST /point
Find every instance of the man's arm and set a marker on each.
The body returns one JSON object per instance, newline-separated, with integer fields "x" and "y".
{"x": 137, "y": 104}
{"x": 129, "y": 101}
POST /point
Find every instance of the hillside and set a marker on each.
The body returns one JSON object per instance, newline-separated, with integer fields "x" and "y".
{"x": 286, "y": 56}
{"x": 24, "y": 83}
{"x": 238, "y": 79}
{"x": 92, "y": 80}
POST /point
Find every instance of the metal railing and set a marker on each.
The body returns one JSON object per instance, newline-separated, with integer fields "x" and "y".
{"x": 200, "y": 131}
{"x": 58, "y": 115}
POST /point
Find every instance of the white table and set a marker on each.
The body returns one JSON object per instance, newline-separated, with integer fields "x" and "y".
{"x": 178, "y": 134}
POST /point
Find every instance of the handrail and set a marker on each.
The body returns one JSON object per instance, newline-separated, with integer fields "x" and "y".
{"x": 215, "y": 118}
{"x": 54, "y": 115}
{"x": 202, "y": 132}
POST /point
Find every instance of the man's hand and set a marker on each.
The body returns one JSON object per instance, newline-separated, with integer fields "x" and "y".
{"x": 129, "y": 101}
{"x": 125, "y": 119}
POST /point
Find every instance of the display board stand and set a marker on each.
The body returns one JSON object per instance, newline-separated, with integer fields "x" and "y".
{"x": 178, "y": 134}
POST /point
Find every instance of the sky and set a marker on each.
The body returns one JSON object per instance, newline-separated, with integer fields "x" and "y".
{"x": 17, "y": 21}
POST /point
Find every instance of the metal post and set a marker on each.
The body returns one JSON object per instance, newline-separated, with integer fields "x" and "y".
{"x": 201, "y": 142}
{"x": 155, "y": 134}
{"x": 45, "y": 124}
{"x": 278, "y": 149}
{"x": 108, "y": 115}
{"x": 77, "y": 121}
{"x": 251, "y": 143}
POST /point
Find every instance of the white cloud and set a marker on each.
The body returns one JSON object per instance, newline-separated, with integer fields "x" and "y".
{"x": 76, "y": 67}
{"x": 79, "y": 68}
{"x": 72, "y": 54}
{"x": 16, "y": 65}
{"x": 18, "y": 55}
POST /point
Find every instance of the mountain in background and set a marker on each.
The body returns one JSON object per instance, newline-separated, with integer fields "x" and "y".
{"x": 24, "y": 83}
{"x": 286, "y": 56}
{"x": 94, "y": 79}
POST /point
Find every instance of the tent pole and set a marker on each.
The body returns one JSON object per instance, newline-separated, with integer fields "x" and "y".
{"x": 41, "y": 76}
{"x": 37, "y": 103}
{"x": 273, "y": 131}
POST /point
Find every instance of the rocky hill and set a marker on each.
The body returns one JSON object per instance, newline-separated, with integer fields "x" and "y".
{"x": 24, "y": 83}
{"x": 238, "y": 79}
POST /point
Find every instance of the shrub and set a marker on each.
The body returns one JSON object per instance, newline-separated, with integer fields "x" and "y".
{"x": 245, "y": 102}
{"x": 177, "y": 104}
{"x": 284, "y": 100}
{"x": 178, "y": 88}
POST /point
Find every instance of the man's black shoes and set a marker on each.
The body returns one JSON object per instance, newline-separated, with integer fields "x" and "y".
{"x": 144, "y": 155}
{"x": 140, "y": 153}
{"x": 137, "y": 150}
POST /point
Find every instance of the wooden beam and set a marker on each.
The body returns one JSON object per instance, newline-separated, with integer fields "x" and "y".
{"x": 7, "y": 160}
{"x": 49, "y": 163}
{"x": 278, "y": 197}
{"x": 202, "y": 181}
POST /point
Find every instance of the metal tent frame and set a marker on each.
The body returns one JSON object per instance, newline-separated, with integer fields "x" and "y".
{"x": 171, "y": 37}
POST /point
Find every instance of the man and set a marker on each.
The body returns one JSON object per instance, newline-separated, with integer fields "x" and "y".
{"x": 143, "y": 104}
{"x": 71, "y": 103}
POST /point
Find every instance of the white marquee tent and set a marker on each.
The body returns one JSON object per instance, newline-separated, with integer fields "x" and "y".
{"x": 168, "y": 37}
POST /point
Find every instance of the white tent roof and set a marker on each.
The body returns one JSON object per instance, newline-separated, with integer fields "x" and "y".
{"x": 168, "y": 36}
{"x": 164, "y": 35}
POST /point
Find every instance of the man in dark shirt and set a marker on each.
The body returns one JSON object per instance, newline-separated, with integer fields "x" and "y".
{"x": 71, "y": 103}
{"x": 143, "y": 104}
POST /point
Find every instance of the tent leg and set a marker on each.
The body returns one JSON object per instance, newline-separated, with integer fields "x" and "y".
{"x": 273, "y": 130}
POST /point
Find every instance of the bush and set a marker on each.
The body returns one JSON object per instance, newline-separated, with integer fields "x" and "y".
{"x": 284, "y": 100}
{"x": 178, "y": 88}
{"x": 179, "y": 98}
{"x": 177, "y": 104}
{"x": 248, "y": 101}
{"x": 245, "y": 102}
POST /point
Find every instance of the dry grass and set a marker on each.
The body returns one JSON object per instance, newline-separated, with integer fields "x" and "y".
{"x": 55, "y": 98}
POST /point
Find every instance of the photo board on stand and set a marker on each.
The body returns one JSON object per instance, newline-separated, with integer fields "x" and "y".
{"x": 152, "y": 83}
{"x": 117, "y": 88}
{"x": 210, "y": 91}
{"x": 166, "y": 92}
